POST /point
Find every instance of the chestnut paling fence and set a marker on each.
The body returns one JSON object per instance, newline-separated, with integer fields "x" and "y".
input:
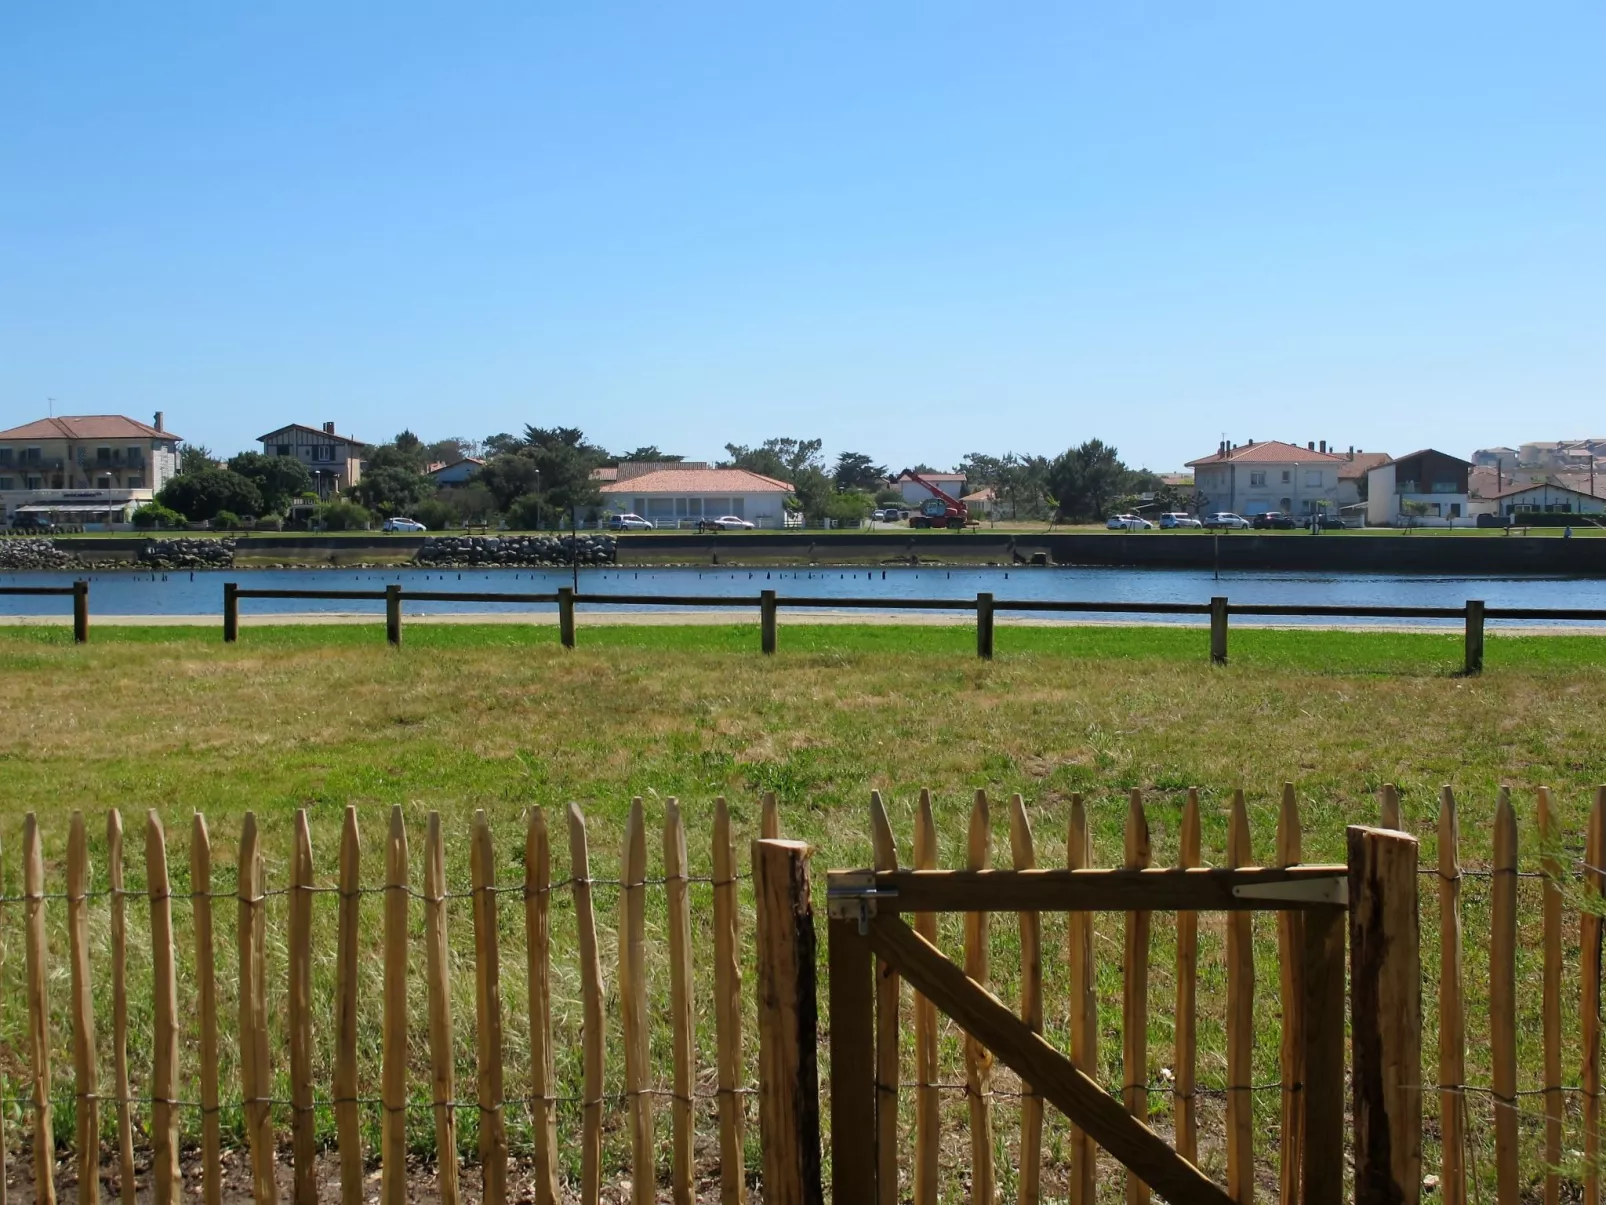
{"x": 279, "y": 1049}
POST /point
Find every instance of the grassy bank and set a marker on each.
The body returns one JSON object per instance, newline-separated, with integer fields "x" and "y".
{"x": 499, "y": 717}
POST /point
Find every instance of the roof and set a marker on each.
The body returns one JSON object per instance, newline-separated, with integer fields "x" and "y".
{"x": 1362, "y": 464}
{"x": 987, "y": 495}
{"x": 312, "y": 431}
{"x": 608, "y": 472}
{"x": 905, "y": 476}
{"x": 699, "y": 481}
{"x": 87, "y": 426}
{"x": 1270, "y": 451}
{"x": 1432, "y": 452}
{"x": 441, "y": 468}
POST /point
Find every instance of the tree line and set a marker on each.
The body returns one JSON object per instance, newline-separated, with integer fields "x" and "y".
{"x": 544, "y": 475}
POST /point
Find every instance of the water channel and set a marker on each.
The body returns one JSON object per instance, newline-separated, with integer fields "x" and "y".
{"x": 200, "y": 593}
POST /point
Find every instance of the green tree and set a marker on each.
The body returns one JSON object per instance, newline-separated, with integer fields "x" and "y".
{"x": 551, "y": 464}
{"x": 783, "y": 459}
{"x": 850, "y": 506}
{"x": 154, "y": 514}
{"x": 507, "y": 476}
{"x": 500, "y": 444}
{"x": 201, "y": 495}
{"x": 813, "y": 491}
{"x": 279, "y": 479}
{"x": 195, "y": 458}
{"x": 856, "y": 471}
{"x": 392, "y": 489}
{"x": 1085, "y": 480}
{"x": 341, "y": 515}
{"x": 435, "y": 514}
{"x": 649, "y": 454}
{"x": 470, "y": 502}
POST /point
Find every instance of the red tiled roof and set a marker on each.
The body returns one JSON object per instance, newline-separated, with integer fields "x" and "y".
{"x": 1363, "y": 464}
{"x": 699, "y": 481}
{"x": 87, "y": 426}
{"x": 1270, "y": 451}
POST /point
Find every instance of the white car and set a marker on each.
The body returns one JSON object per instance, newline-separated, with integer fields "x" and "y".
{"x": 399, "y": 524}
{"x": 1128, "y": 523}
{"x": 630, "y": 523}
{"x": 1225, "y": 518}
{"x": 728, "y": 523}
{"x": 1174, "y": 519}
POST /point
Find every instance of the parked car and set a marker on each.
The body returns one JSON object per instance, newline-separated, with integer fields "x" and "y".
{"x": 399, "y": 524}
{"x": 1225, "y": 518}
{"x": 629, "y": 523}
{"x": 878, "y": 515}
{"x": 1326, "y": 521}
{"x": 1274, "y": 520}
{"x": 1175, "y": 519}
{"x": 1128, "y": 523}
{"x": 724, "y": 523}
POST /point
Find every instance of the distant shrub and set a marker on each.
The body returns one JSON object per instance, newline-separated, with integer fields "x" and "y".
{"x": 435, "y": 514}
{"x": 154, "y": 514}
{"x": 269, "y": 523}
{"x": 342, "y": 516}
{"x": 226, "y": 520}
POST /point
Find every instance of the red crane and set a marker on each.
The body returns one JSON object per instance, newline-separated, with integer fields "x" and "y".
{"x": 942, "y": 509}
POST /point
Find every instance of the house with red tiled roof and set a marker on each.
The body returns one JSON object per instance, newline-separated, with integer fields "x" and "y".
{"x": 680, "y": 493}
{"x": 1252, "y": 478}
{"x": 89, "y": 470}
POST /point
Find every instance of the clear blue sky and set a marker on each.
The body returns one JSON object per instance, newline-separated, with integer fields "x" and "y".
{"x": 911, "y": 229}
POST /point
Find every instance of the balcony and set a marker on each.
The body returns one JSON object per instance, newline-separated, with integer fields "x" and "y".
{"x": 113, "y": 460}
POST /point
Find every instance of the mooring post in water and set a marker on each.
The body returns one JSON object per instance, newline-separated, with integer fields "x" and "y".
{"x": 766, "y": 615}
{"x": 80, "y": 611}
{"x": 984, "y": 626}
{"x": 1218, "y": 630}
{"x": 231, "y": 612}
{"x": 566, "y": 616}
{"x": 1474, "y": 636}
{"x": 393, "y": 613}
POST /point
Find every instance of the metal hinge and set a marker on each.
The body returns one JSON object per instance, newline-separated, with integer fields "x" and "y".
{"x": 1333, "y": 890}
{"x": 852, "y": 895}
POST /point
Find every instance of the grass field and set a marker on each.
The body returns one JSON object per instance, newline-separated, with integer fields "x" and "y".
{"x": 500, "y": 718}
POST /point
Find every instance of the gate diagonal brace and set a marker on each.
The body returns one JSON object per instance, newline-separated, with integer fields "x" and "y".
{"x": 852, "y": 895}
{"x": 1334, "y": 890}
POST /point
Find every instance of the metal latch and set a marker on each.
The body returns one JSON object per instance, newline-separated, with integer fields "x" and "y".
{"x": 852, "y": 895}
{"x": 1331, "y": 890}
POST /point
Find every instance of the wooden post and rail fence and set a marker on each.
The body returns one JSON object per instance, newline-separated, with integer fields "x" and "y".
{"x": 1348, "y": 991}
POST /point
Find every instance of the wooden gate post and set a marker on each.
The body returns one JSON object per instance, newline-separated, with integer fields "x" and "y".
{"x": 1474, "y": 658}
{"x": 393, "y": 613}
{"x": 1218, "y": 630}
{"x": 231, "y": 612}
{"x": 80, "y": 612}
{"x": 788, "y": 1016}
{"x": 566, "y": 616}
{"x": 1385, "y": 1015}
{"x": 984, "y": 626}
{"x": 766, "y": 620}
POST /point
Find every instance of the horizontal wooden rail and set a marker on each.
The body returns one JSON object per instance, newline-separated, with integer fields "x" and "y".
{"x": 78, "y": 592}
{"x": 1351, "y": 610}
{"x": 60, "y": 591}
{"x": 1249, "y": 889}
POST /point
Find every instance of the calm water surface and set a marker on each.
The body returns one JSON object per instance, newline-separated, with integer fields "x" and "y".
{"x": 201, "y": 593}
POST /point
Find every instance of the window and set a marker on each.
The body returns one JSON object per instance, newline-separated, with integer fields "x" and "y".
{"x": 134, "y": 454}
{"x": 1314, "y": 478}
{"x": 103, "y": 455}
{"x": 739, "y": 507}
{"x": 1288, "y": 476}
{"x": 324, "y": 452}
{"x": 5, "y": 456}
{"x": 8, "y": 483}
{"x": 36, "y": 483}
{"x": 1257, "y": 479}
{"x": 136, "y": 481}
{"x": 33, "y": 455}
{"x": 103, "y": 482}
{"x": 282, "y": 450}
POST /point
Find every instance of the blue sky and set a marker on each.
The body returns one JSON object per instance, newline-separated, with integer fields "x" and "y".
{"x": 914, "y": 230}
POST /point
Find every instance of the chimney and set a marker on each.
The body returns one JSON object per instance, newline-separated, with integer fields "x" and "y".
{"x": 1324, "y": 447}
{"x": 1351, "y": 455}
{"x": 158, "y": 423}
{"x": 328, "y": 428}
{"x": 1310, "y": 446}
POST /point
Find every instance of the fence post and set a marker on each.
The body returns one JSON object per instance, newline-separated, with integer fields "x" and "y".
{"x": 393, "y": 613}
{"x": 766, "y": 620}
{"x": 231, "y": 612}
{"x": 566, "y": 616}
{"x": 1385, "y": 1015}
{"x": 984, "y": 626}
{"x": 80, "y": 612}
{"x": 1474, "y": 636}
{"x": 788, "y": 1073}
{"x": 1218, "y": 630}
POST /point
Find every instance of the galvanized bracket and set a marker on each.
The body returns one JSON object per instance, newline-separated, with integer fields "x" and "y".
{"x": 1333, "y": 890}
{"x": 852, "y": 895}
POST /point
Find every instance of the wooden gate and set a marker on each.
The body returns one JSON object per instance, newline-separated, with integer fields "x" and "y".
{"x": 1376, "y": 892}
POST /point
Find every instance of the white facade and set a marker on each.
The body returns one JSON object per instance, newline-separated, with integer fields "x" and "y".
{"x": 1386, "y": 507}
{"x": 678, "y": 496}
{"x": 1255, "y": 478}
{"x": 914, "y": 493}
{"x": 1544, "y": 497}
{"x": 457, "y": 472}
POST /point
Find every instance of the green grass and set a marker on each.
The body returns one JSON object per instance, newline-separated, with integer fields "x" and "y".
{"x": 499, "y": 717}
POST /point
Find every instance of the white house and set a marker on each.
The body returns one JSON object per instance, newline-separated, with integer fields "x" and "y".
{"x": 457, "y": 472}
{"x": 335, "y": 461}
{"x": 1544, "y": 497}
{"x": 93, "y": 470}
{"x": 1427, "y": 488}
{"x": 914, "y": 493}
{"x": 679, "y": 494}
{"x": 1252, "y": 478}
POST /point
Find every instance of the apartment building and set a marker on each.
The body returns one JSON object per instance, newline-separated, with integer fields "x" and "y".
{"x": 89, "y": 469}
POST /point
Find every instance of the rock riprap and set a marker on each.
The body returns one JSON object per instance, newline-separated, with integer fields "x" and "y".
{"x": 36, "y": 553}
{"x": 464, "y": 551}
{"x": 186, "y": 554}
